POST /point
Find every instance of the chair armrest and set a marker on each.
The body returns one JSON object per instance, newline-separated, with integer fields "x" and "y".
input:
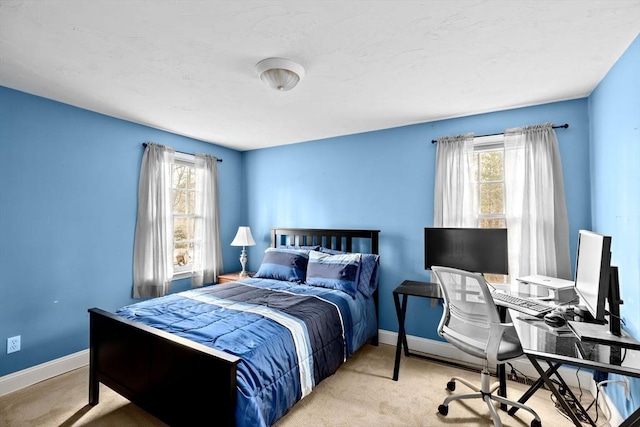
{"x": 496, "y": 332}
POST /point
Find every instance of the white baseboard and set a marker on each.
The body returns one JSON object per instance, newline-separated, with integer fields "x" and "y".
{"x": 615, "y": 419}
{"x": 444, "y": 350}
{"x": 35, "y": 374}
{"x": 437, "y": 349}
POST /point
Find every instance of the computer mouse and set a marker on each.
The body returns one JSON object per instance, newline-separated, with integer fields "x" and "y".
{"x": 554, "y": 319}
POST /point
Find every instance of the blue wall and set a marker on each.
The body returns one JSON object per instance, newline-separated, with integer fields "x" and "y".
{"x": 68, "y": 187}
{"x": 384, "y": 180}
{"x": 68, "y": 201}
{"x": 614, "y": 115}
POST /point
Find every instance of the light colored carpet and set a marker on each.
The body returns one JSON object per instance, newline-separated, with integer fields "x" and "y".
{"x": 361, "y": 393}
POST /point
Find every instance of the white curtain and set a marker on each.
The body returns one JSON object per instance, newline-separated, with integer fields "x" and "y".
{"x": 455, "y": 198}
{"x": 536, "y": 209}
{"x": 153, "y": 245}
{"x": 208, "y": 250}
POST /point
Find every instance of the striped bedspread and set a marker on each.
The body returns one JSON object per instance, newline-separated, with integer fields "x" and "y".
{"x": 289, "y": 336}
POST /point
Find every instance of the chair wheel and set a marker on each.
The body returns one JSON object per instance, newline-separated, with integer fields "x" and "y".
{"x": 451, "y": 386}
{"x": 444, "y": 410}
{"x": 536, "y": 423}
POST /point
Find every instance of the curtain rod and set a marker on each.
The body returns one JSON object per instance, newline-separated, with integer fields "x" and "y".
{"x": 144, "y": 144}
{"x": 564, "y": 126}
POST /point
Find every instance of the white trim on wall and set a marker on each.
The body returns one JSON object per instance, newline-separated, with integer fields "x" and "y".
{"x": 615, "y": 419}
{"x": 35, "y": 374}
{"x": 437, "y": 349}
{"x": 445, "y": 351}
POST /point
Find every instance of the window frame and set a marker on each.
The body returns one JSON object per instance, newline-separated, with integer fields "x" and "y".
{"x": 486, "y": 144}
{"x": 185, "y": 160}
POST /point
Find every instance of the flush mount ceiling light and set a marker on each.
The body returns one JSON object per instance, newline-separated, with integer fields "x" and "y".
{"x": 279, "y": 74}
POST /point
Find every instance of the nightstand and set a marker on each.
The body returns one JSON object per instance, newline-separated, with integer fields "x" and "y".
{"x": 232, "y": 277}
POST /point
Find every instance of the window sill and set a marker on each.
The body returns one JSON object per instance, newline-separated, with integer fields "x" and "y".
{"x": 181, "y": 275}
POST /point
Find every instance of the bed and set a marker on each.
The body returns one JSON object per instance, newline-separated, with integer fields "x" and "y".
{"x": 242, "y": 353}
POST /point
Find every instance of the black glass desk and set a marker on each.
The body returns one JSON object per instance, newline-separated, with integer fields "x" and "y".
{"x": 540, "y": 343}
{"x": 427, "y": 290}
{"x": 556, "y": 347}
{"x": 406, "y": 289}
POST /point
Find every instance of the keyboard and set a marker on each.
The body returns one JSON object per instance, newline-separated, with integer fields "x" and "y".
{"x": 527, "y": 306}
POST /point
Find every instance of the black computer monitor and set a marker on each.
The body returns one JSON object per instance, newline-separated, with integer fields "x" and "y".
{"x": 593, "y": 261}
{"x": 479, "y": 250}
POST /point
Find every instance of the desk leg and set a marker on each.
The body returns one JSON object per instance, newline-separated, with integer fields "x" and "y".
{"x": 502, "y": 379}
{"x": 534, "y": 387}
{"x": 555, "y": 391}
{"x": 404, "y": 332}
{"x": 501, "y": 369}
{"x": 575, "y": 399}
{"x": 402, "y": 339}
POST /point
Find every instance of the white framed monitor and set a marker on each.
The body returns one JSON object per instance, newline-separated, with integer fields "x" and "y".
{"x": 597, "y": 285}
{"x": 593, "y": 262}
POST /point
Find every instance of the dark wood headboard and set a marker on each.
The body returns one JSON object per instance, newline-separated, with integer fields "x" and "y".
{"x": 338, "y": 239}
{"x": 329, "y": 238}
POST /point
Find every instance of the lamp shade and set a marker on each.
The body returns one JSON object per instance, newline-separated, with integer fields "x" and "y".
{"x": 243, "y": 237}
{"x": 279, "y": 74}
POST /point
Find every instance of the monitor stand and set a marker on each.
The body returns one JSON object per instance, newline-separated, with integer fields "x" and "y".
{"x": 611, "y": 333}
{"x": 601, "y": 334}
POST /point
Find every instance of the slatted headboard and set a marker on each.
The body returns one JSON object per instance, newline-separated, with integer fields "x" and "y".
{"x": 329, "y": 238}
{"x": 339, "y": 239}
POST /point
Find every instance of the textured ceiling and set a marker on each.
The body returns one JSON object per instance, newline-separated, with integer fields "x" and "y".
{"x": 188, "y": 66}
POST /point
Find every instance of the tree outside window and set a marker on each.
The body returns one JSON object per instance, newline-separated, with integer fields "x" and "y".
{"x": 489, "y": 179}
{"x": 184, "y": 193}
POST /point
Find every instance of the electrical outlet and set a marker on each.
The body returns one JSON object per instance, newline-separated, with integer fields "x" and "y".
{"x": 13, "y": 344}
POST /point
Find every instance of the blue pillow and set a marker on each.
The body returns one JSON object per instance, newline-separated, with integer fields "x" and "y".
{"x": 338, "y": 272}
{"x": 283, "y": 264}
{"x": 368, "y": 280}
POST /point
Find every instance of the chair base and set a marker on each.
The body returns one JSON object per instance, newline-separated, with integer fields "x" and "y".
{"x": 485, "y": 392}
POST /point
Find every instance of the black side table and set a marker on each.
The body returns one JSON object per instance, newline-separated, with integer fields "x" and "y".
{"x": 406, "y": 289}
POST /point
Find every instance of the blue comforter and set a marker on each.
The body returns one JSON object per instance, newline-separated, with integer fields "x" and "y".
{"x": 289, "y": 336}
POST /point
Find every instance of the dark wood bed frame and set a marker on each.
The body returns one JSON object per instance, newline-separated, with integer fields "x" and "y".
{"x": 177, "y": 380}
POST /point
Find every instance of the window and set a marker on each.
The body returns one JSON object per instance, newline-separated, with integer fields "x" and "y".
{"x": 178, "y": 231}
{"x": 488, "y": 174}
{"x": 512, "y": 180}
{"x": 183, "y": 182}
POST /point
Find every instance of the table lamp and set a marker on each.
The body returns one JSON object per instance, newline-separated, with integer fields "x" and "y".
{"x": 243, "y": 238}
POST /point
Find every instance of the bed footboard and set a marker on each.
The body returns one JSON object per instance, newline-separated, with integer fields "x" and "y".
{"x": 177, "y": 380}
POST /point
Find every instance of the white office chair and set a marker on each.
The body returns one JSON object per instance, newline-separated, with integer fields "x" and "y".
{"x": 471, "y": 323}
